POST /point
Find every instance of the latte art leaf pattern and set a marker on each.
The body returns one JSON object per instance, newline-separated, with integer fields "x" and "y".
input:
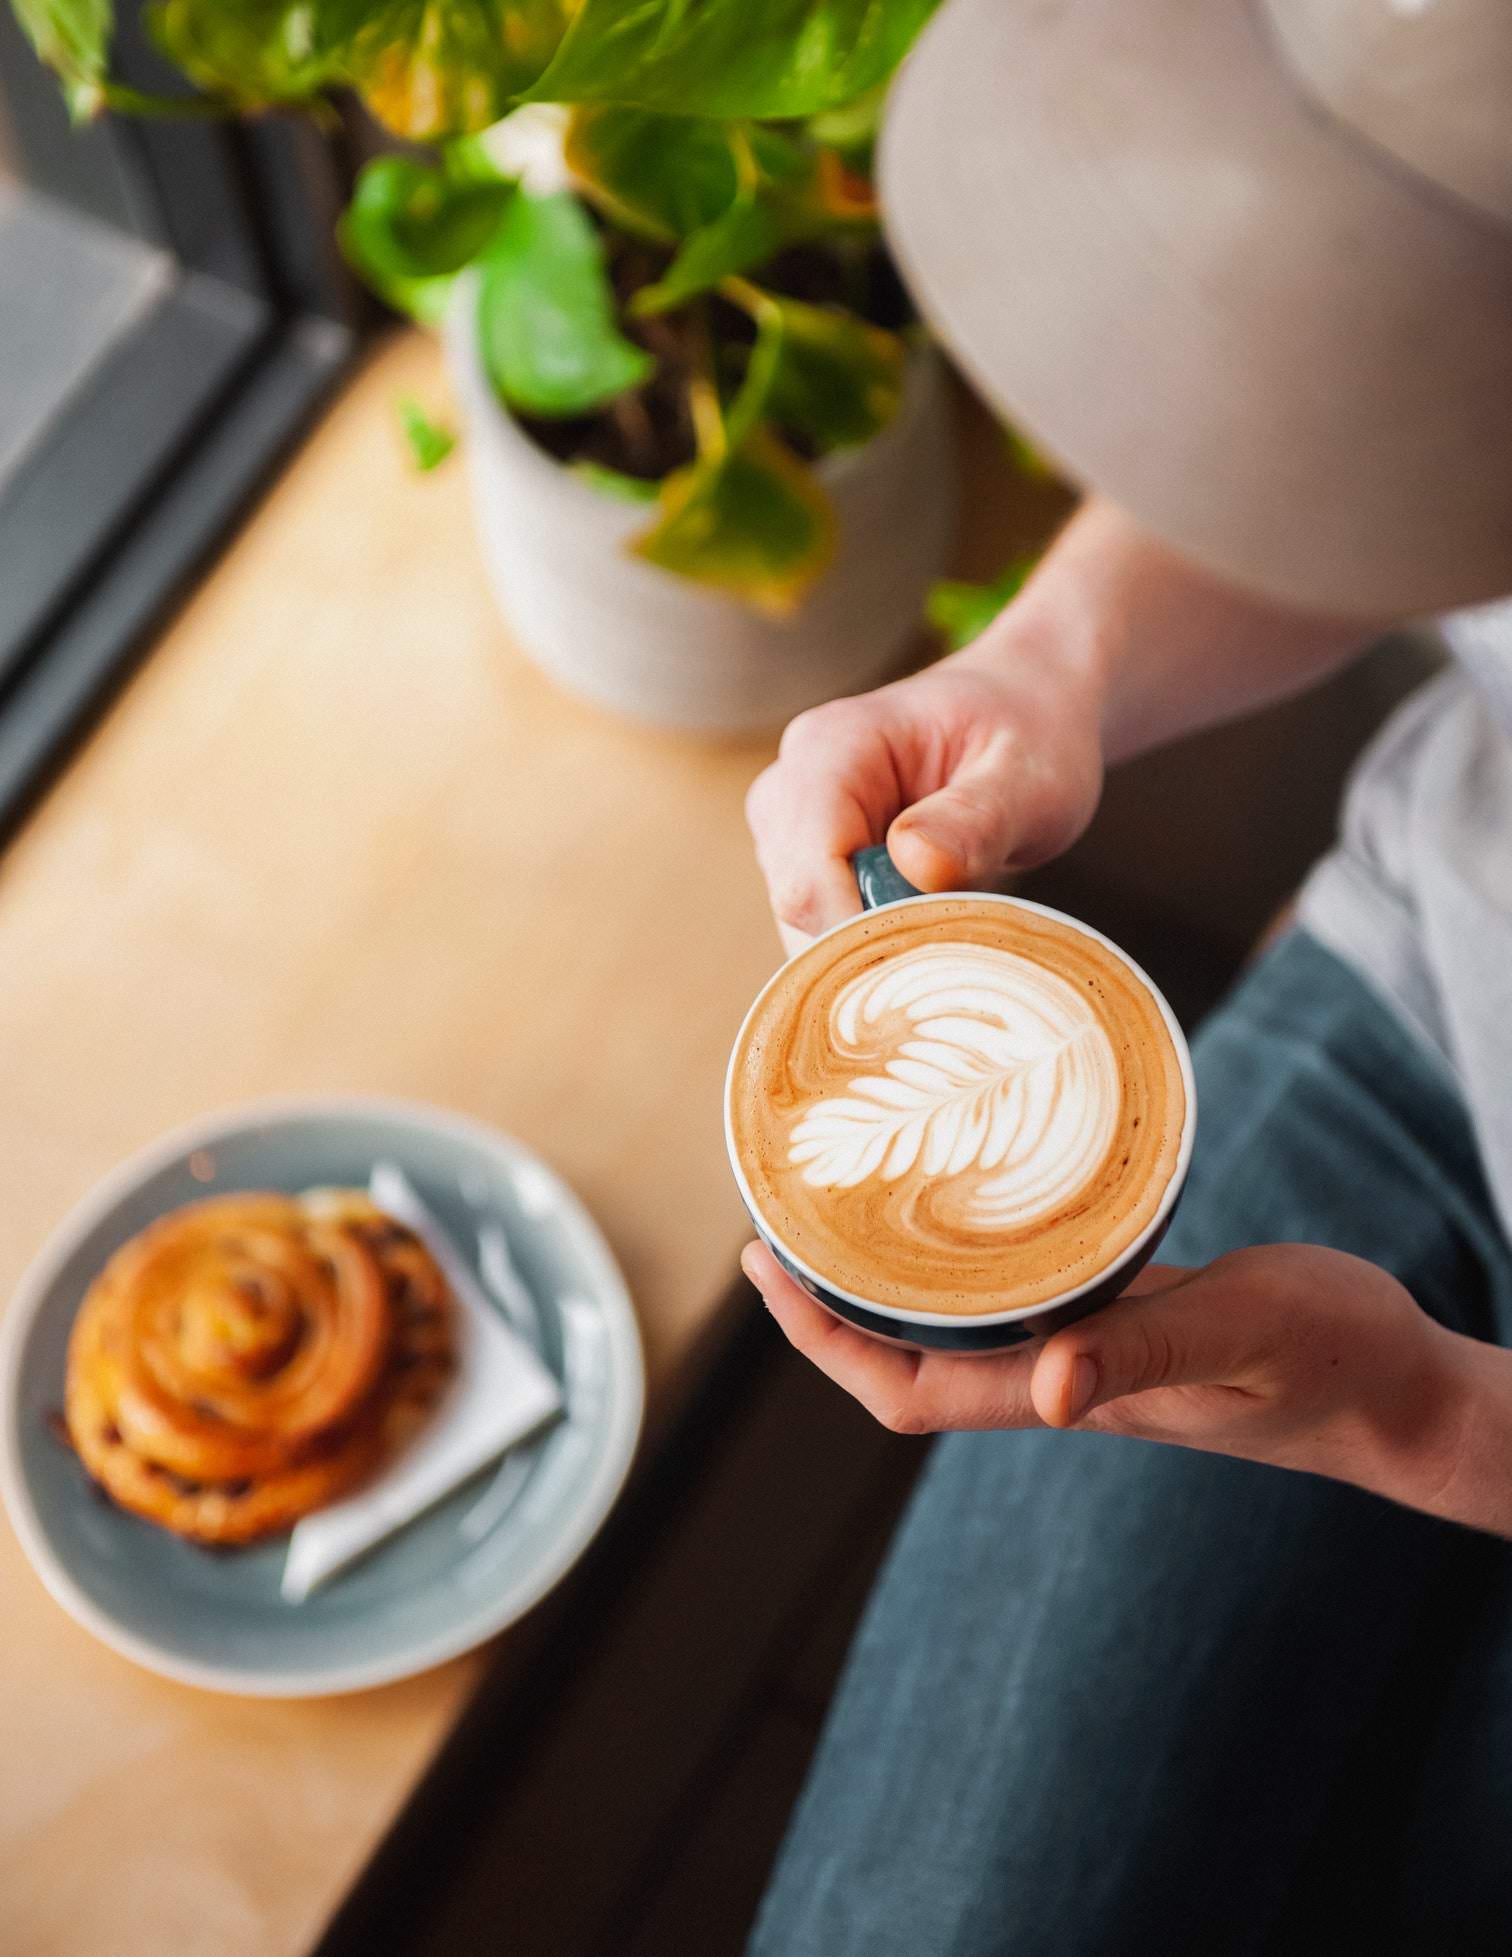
{"x": 991, "y": 1074}
{"x": 961, "y": 1105}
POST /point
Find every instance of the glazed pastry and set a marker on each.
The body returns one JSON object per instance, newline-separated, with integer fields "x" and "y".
{"x": 247, "y": 1359}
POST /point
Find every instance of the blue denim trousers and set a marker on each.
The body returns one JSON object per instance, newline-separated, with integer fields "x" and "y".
{"x": 1113, "y": 1698}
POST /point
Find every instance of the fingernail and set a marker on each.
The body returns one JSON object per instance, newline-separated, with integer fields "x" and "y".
{"x": 945, "y": 859}
{"x": 1082, "y": 1387}
{"x": 922, "y": 830}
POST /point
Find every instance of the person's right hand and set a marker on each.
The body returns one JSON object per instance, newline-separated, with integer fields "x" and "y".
{"x": 987, "y": 763}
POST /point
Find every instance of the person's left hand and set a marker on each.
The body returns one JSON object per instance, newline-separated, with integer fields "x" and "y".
{"x": 1287, "y": 1353}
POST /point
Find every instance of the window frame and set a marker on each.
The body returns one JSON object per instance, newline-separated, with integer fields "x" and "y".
{"x": 182, "y": 418}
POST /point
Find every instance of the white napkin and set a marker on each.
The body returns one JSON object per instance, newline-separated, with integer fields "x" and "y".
{"x": 501, "y": 1393}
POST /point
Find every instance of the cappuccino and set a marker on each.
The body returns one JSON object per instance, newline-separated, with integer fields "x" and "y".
{"x": 960, "y": 1105}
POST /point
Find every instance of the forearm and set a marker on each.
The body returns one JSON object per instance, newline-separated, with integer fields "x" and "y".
{"x": 1160, "y": 647}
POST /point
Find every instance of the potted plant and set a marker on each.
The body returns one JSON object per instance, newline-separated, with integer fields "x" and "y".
{"x": 710, "y": 448}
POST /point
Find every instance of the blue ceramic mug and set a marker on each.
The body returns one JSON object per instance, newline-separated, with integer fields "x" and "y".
{"x": 881, "y": 883}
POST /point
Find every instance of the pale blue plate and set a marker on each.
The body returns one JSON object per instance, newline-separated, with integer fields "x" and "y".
{"x": 433, "y": 1590}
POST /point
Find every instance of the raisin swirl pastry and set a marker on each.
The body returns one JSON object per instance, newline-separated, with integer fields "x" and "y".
{"x": 249, "y": 1358}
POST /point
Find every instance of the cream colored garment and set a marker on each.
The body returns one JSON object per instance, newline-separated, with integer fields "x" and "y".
{"x": 1418, "y": 895}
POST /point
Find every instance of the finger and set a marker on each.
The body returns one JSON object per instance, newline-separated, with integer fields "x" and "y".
{"x": 1059, "y": 1382}
{"x": 911, "y": 1392}
{"x": 968, "y": 833}
{"x": 972, "y": 1392}
{"x": 1173, "y": 1328}
{"x": 829, "y": 793}
{"x": 806, "y": 827}
{"x": 1157, "y": 1277}
{"x": 880, "y": 1376}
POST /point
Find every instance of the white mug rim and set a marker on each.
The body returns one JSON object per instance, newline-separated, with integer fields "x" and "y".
{"x": 1015, "y": 1314}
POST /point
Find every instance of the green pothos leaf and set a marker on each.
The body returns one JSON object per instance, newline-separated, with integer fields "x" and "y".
{"x": 251, "y": 53}
{"x": 546, "y": 312}
{"x": 750, "y": 519}
{"x": 661, "y": 176}
{"x": 785, "y": 197}
{"x": 410, "y": 228}
{"x": 1024, "y": 456}
{"x": 819, "y": 373}
{"x": 428, "y": 69}
{"x": 429, "y": 442}
{"x": 432, "y": 68}
{"x": 615, "y": 483}
{"x": 73, "y": 38}
{"x": 853, "y": 128}
{"x": 745, "y": 236}
{"x": 785, "y": 58}
{"x": 962, "y": 611}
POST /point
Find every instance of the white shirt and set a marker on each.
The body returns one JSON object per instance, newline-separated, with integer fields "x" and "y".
{"x": 1418, "y": 894}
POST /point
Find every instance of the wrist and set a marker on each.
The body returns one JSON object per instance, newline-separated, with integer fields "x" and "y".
{"x": 1152, "y": 643}
{"x": 1058, "y": 637}
{"x": 1029, "y": 661}
{"x": 1433, "y": 1455}
{"x": 1077, "y": 624}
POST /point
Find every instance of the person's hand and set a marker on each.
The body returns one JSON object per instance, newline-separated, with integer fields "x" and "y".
{"x": 1289, "y": 1354}
{"x": 992, "y": 761}
{"x": 987, "y": 763}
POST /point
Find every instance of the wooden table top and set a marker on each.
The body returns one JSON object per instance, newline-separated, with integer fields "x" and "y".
{"x": 337, "y": 835}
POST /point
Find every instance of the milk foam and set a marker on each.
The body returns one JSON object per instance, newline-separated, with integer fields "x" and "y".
{"x": 983, "y": 1070}
{"x": 959, "y": 1104}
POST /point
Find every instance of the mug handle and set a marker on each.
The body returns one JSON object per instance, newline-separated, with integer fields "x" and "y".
{"x": 879, "y": 879}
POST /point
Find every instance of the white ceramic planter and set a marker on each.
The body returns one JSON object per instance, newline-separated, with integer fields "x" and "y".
{"x": 636, "y": 639}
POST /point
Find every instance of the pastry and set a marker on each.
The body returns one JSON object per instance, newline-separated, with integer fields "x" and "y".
{"x": 247, "y": 1359}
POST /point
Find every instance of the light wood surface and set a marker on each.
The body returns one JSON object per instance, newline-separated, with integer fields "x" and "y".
{"x": 338, "y": 835}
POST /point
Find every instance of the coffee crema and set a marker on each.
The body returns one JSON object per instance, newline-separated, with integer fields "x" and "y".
{"x": 957, "y": 1106}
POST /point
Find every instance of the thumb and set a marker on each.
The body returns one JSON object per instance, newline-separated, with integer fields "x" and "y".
{"x": 968, "y": 832}
{"x": 1160, "y": 1335}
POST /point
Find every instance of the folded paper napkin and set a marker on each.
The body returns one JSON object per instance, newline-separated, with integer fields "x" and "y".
{"x": 501, "y": 1393}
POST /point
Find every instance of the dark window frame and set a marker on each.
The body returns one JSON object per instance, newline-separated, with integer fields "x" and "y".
{"x": 183, "y": 417}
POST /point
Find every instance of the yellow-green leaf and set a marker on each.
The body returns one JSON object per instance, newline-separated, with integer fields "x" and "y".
{"x": 614, "y": 482}
{"x": 819, "y": 373}
{"x": 73, "y": 38}
{"x": 751, "y": 520}
{"x": 251, "y": 53}
{"x": 781, "y": 59}
{"x": 852, "y": 129}
{"x": 663, "y": 176}
{"x": 788, "y": 194}
{"x": 962, "y": 611}
{"x": 433, "y": 68}
{"x": 428, "y": 440}
{"x": 1025, "y": 457}
{"x": 744, "y": 237}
